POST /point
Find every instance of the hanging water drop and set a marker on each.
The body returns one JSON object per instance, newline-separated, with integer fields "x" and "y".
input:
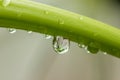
{"x": 29, "y": 32}
{"x": 5, "y": 3}
{"x": 48, "y": 36}
{"x": 12, "y": 30}
{"x": 61, "y": 45}
{"x": 92, "y": 49}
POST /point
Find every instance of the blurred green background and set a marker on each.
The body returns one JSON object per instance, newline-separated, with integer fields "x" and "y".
{"x": 26, "y": 56}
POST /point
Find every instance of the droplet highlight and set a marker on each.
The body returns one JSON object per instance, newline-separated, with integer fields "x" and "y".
{"x": 61, "y": 45}
{"x": 5, "y": 3}
{"x": 11, "y": 30}
{"x": 93, "y": 47}
{"x": 92, "y": 50}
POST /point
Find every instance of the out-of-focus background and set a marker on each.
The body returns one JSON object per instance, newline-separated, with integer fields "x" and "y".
{"x": 26, "y": 56}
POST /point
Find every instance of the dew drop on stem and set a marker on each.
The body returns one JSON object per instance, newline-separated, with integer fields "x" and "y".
{"x": 93, "y": 47}
{"x": 92, "y": 50}
{"x": 61, "y": 45}
{"x": 5, "y": 3}
{"x": 12, "y": 30}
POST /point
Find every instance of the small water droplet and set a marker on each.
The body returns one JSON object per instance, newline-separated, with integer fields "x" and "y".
{"x": 60, "y": 21}
{"x": 5, "y": 3}
{"x": 93, "y": 47}
{"x": 92, "y": 50}
{"x": 29, "y": 32}
{"x": 61, "y": 45}
{"x": 12, "y": 30}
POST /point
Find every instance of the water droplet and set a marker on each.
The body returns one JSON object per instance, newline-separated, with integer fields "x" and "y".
{"x": 92, "y": 50}
{"x": 93, "y": 47}
{"x": 61, "y": 45}
{"x": 12, "y": 30}
{"x": 29, "y": 32}
{"x": 60, "y": 21}
{"x": 5, "y": 3}
{"x": 48, "y": 36}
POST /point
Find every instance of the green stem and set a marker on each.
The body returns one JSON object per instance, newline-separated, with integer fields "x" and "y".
{"x": 37, "y": 17}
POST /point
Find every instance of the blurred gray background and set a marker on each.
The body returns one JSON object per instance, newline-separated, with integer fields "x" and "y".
{"x": 26, "y": 56}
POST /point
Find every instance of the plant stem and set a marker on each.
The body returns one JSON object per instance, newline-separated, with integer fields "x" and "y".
{"x": 37, "y": 17}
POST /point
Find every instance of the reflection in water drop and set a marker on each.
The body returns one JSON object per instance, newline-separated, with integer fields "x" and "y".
{"x": 48, "y": 36}
{"x": 5, "y": 3}
{"x": 12, "y": 30}
{"x": 93, "y": 50}
{"x": 61, "y": 45}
